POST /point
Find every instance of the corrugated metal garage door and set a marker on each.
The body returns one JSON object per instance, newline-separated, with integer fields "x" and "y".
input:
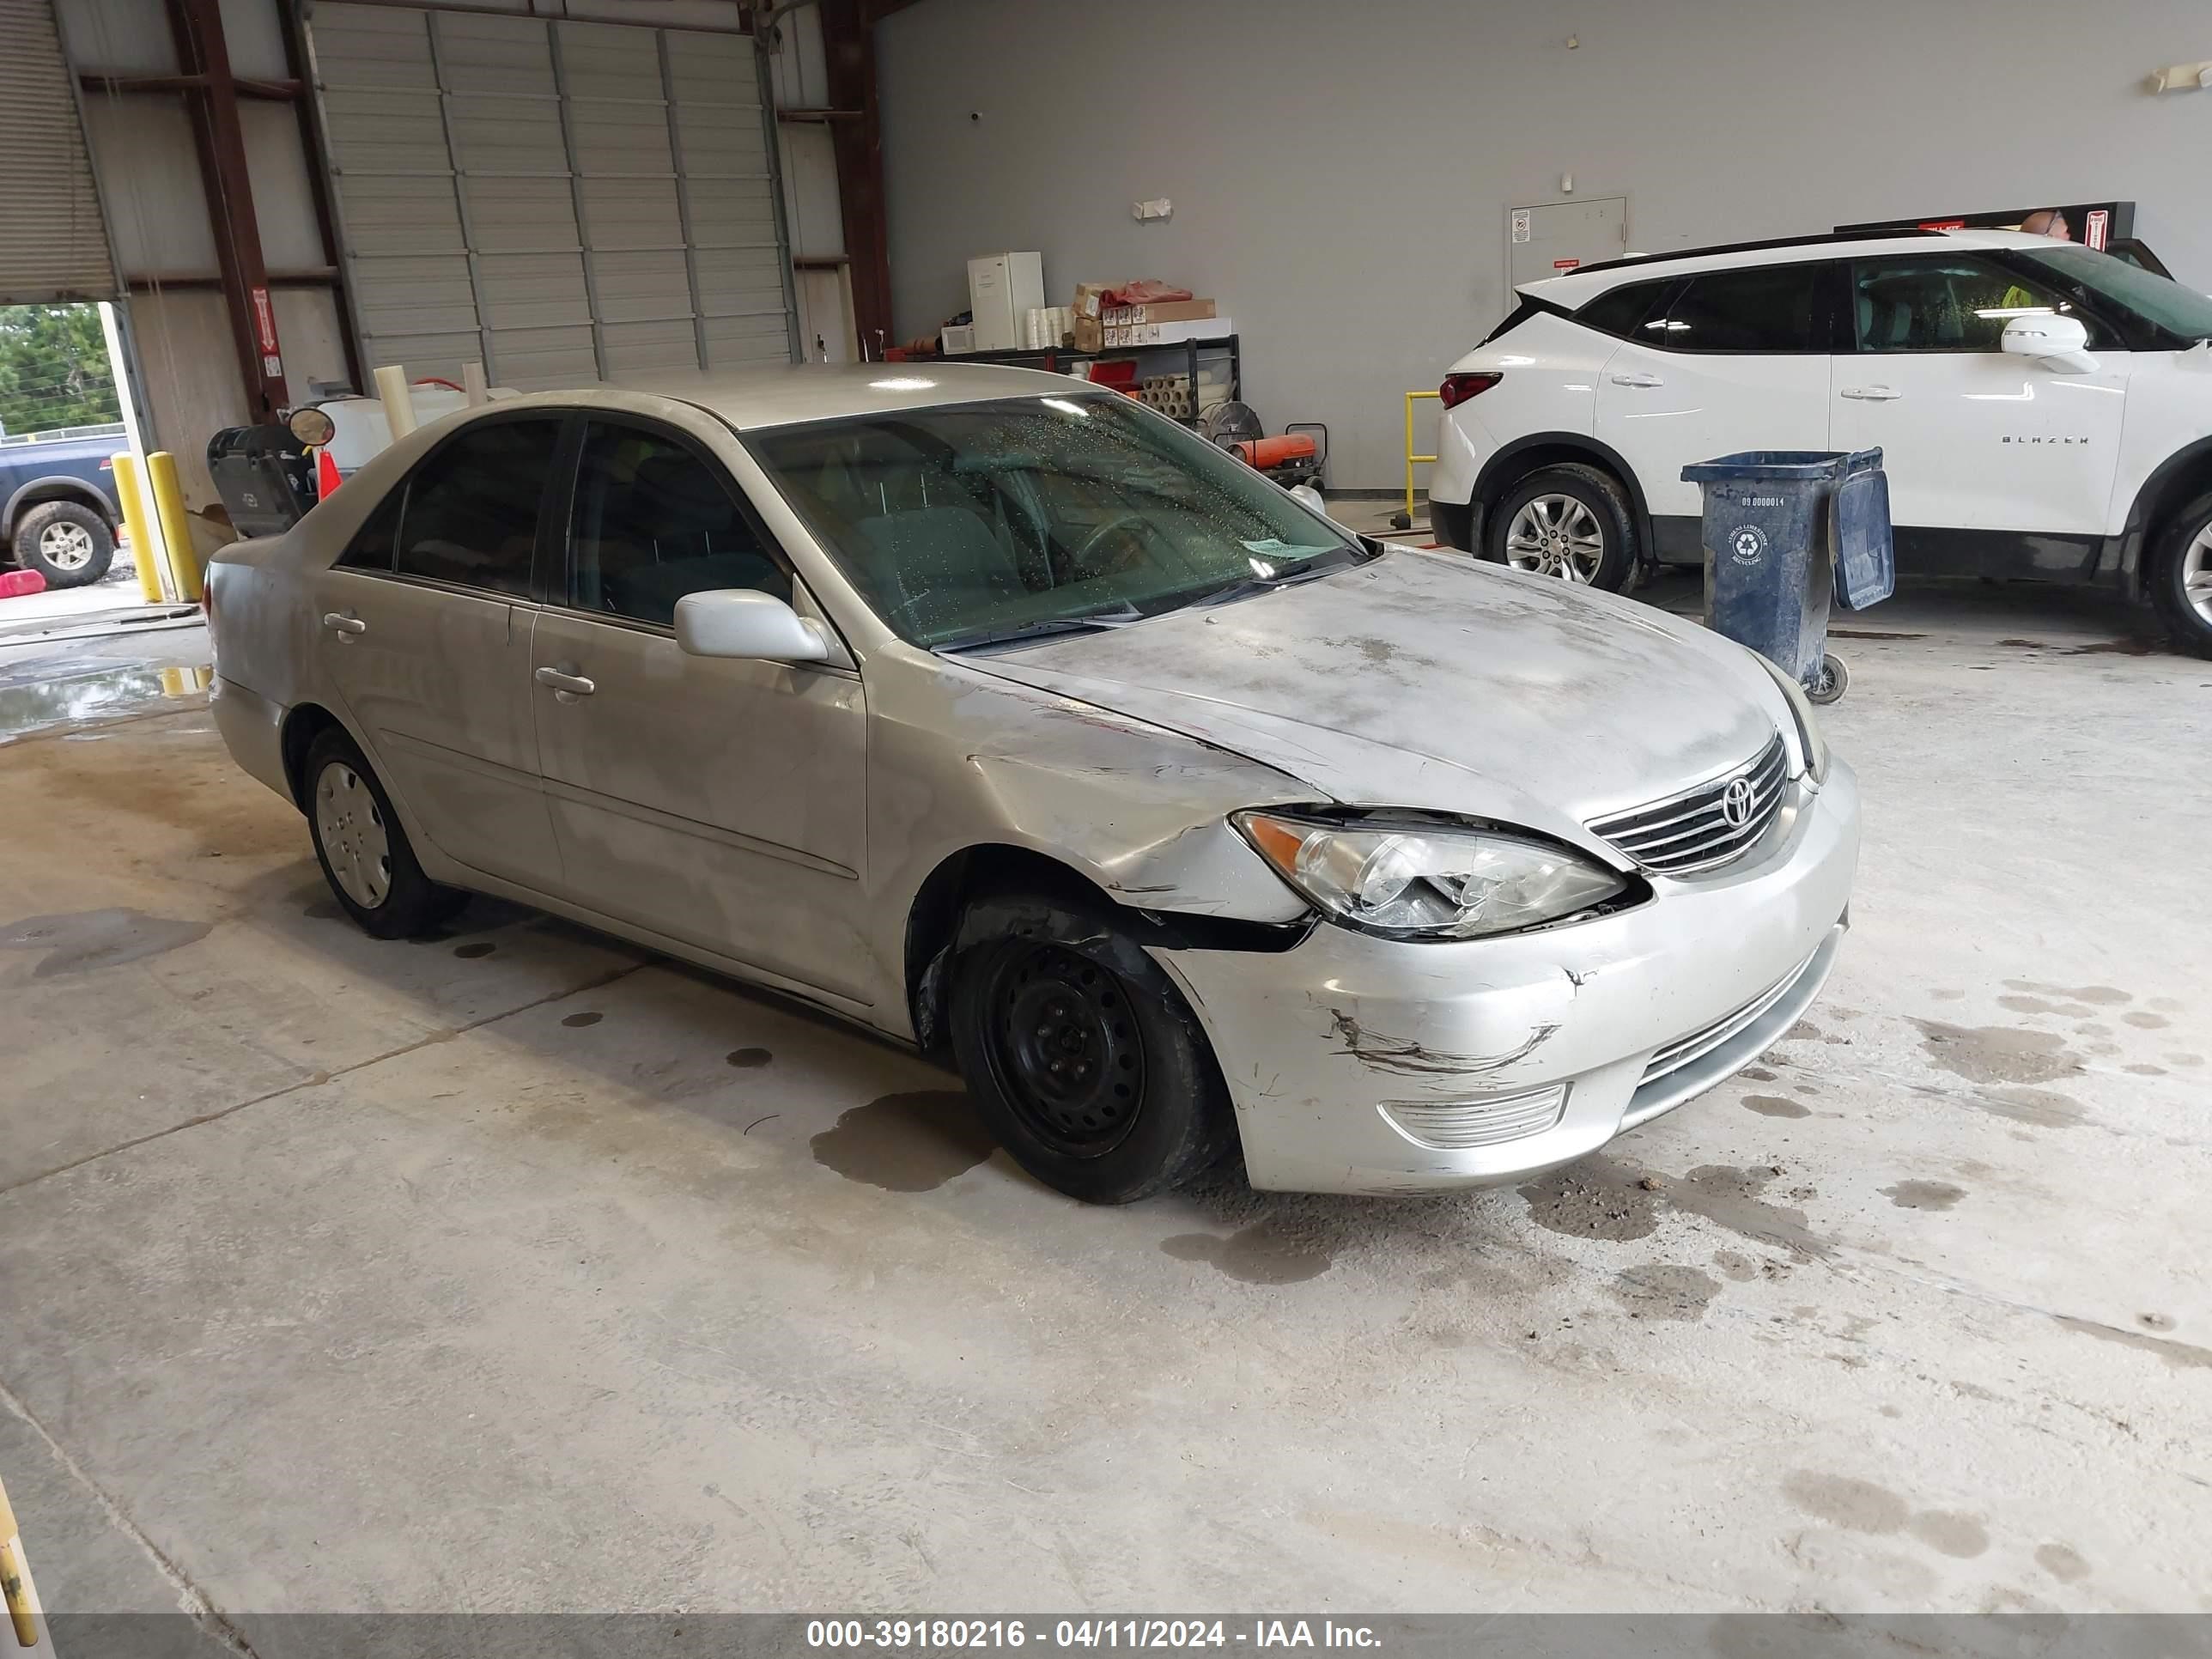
{"x": 53, "y": 244}
{"x": 568, "y": 201}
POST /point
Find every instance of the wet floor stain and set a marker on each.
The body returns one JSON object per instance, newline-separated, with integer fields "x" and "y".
{"x": 482, "y": 947}
{"x": 1757, "y": 1075}
{"x": 1603, "y": 1198}
{"x": 43, "y": 693}
{"x": 1924, "y": 1194}
{"x": 1962, "y": 1537}
{"x": 1775, "y": 1106}
{"x": 2184, "y": 1060}
{"x": 2182, "y": 1356}
{"x": 2108, "y": 996}
{"x": 746, "y": 1059}
{"x": 1732, "y": 1197}
{"x": 2027, "y": 1004}
{"x": 587, "y": 1018}
{"x": 1997, "y": 1053}
{"x": 1843, "y": 1501}
{"x": 2063, "y": 1562}
{"x": 1663, "y": 1291}
{"x": 2143, "y": 1022}
{"x": 1597, "y": 1198}
{"x": 2144, "y": 1071}
{"x": 2155, "y": 1321}
{"x": 913, "y": 1142}
{"x": 88, "y": 939}
{"x": 1261, "y": 1253}
{"x": 2040, "y": 1109}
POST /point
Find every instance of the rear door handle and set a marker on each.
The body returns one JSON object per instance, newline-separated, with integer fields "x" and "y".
{"x": 342, "y": 625}
{"x": 1872, "y": 394}
{"x": 564, "y": 684}
{"x": 1638, "y": 379}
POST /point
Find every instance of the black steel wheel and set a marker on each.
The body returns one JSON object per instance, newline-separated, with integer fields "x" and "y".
{"x": 1066, "y": 1047}
{"x": 1081, "y": 1056}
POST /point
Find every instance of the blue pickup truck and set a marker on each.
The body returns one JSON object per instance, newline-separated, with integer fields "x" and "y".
{"x": 58, "y": 506}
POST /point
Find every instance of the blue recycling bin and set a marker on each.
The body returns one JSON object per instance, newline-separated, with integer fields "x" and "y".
{"x": 1784, "y": 531}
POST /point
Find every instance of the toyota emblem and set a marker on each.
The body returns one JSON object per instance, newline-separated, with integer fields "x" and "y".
{"x": 1736, "y": 803}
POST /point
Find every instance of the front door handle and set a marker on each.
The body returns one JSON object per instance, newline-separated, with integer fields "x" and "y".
{"x": 1872, "y": 394}
{"x": 343, "y": 626}
{"x": 564, "y": 683}
{"x": 1638, "y": 377}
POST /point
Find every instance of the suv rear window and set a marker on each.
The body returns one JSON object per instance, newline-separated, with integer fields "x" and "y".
{"x": 1620, "y": 311}
{"x": 1768, "y": 309}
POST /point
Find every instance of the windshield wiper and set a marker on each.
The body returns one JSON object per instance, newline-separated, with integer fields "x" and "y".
{"x": 1245, "y": 586}
{"x": 1094, "y": 621}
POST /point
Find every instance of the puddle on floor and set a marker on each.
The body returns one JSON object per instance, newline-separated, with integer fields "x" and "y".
{"x": 37, "y": 695}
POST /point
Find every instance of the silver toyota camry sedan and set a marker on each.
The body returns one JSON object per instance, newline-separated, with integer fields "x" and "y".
{"x": 1010, "y": 720}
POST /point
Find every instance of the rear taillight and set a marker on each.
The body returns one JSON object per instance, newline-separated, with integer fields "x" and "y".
{"x": 1458, "y": 388}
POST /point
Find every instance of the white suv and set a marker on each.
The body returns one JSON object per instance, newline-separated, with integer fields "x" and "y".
{"x": 2043, "y": 411}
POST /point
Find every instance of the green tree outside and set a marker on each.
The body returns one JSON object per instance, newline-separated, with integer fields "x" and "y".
{"x": 53, "y": 369}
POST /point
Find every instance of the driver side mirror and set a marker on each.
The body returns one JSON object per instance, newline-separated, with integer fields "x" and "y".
{"x": 2059, "y": 343}
{"x": 742, "y": 621}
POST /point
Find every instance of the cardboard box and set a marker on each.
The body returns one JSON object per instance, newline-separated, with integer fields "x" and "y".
{"x": 1089, "y": 324}
{"x": 1168, "y": 311}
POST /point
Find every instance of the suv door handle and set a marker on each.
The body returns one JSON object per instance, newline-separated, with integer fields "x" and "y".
{"x": 564, "y": 684}
{"x": 1872, "y": 394}
{"x": 1638, "y": 377}
{"x": 343, "y": 626}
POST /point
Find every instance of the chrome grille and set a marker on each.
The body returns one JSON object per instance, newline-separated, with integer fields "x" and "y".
{"x": 1691, "y": 832}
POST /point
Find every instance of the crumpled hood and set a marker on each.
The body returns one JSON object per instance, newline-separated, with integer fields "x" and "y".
{"x": 1434, "y": 682}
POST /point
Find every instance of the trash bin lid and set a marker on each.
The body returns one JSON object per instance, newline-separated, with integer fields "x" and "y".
{"x": 1807, "y": 466}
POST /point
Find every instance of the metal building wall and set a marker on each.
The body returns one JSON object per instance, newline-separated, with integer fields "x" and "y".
{"x": 563, "y": 201}
{"x": 56, "y": 245}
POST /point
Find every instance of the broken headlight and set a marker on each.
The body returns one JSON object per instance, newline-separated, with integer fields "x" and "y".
{"x": 1427, "y": 881}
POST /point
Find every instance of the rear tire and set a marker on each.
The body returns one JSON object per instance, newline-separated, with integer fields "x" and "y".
{"x": 364, "y": 852}
{"x": 1082, "y": 1057}
{"x": 2181, "y": 577}
{"x": 66, "y": 542}
{"x": 1570, "y": 521}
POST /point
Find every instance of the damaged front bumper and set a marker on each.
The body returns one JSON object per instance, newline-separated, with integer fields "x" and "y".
{"x": 1363, "y": 1064}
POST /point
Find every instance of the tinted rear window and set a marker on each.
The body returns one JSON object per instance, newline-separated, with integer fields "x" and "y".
{"x": 1622, "y": 309}
{"x": 1770, "y": 308}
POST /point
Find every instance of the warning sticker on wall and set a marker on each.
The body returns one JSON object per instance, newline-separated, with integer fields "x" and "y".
{"x": 1520, "y": 224}
{"x": 1565, "y": 265}
{"x": 2099, "y": 228}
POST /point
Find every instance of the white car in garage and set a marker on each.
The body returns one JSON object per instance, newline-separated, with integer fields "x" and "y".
{"x": 2044, "y": 410}
{"x": 1000, "y": 714}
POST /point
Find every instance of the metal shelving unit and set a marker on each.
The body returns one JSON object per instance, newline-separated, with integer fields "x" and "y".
{"x": 1051, "y": 358}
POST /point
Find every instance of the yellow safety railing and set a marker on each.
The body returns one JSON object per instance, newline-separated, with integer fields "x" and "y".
{"x": 1412, "y": 459}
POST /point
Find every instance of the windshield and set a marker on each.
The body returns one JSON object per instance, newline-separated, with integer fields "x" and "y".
{"x": 966, "y": 524}
{"x": 2179, "y": 311}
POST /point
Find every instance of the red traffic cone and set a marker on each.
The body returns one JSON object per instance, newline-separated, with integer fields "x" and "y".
{"x": 327, "y": 474}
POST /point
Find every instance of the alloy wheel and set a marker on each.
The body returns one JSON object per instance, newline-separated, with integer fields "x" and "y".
{"x": 2197, "y": 572}
{"x": 65, "y": 546}
{"x": 355, "y": 842}
{"x": 1066, "y": 1047}
{"x": 1556, "y": 536}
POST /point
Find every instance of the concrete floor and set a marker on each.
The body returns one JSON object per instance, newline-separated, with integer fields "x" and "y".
{"x": 520, "y": 1271}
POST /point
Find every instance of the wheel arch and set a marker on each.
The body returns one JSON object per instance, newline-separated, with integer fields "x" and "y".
{"x": 933, "y": 918}
{"x": 2175, "y": 481}
{"x": 303, "y": 723}
{"x": 1538, "y": 450}
{"x": 57, "y": 487}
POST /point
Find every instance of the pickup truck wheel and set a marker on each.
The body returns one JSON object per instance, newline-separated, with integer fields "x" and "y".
{"x": 2181, "y": 577}
{"x": 65, "y": 541}
{"x": 1082, "y": 1058}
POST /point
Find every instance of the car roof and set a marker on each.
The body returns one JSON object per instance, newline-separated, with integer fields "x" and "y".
{"x": 781, "y": 394}
{"x": 1577, "y": 287}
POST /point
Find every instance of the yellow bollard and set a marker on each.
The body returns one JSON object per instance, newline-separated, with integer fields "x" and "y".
{"x": 176, "y": 523}
{"x": 1411, "y": 458}
{"x": 145, "y": 534}
{"x": 16, "y": 1579}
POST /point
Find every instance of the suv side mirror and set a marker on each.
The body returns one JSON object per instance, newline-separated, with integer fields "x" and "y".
{"x": 2061, "y": 343}
{"x": 742, "y": 621}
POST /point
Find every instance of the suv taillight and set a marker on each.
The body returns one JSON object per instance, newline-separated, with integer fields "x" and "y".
{"x": 1458, "y": 388}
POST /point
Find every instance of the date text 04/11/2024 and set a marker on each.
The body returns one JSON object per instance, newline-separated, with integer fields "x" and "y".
{"x": 935, "y": 1633}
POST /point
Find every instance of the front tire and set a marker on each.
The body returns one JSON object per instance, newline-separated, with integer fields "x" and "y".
{"x": 1083, "y": 1059}
{"x": 364, "y": 852}
{"x": 66, "y": 542}
{"x": 2181, "y": 577}
{"x": 1570, "y": 521}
